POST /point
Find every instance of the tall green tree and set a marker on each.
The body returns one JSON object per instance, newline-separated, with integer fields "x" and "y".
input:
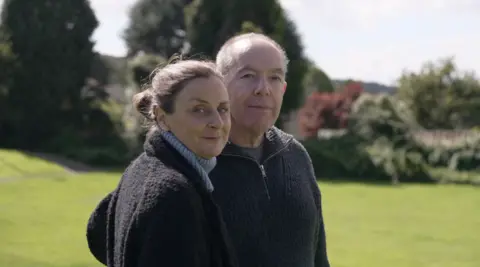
{"x": 441, "y": 96}
{"x": 316, "y": 80}
{"x": 156, "y": 27}
{"x": 7, "y": 65}
{"x": 211, "y": 22}
{"x": 51, "y": 41}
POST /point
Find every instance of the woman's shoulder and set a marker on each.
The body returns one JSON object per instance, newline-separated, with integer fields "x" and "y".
{"x": 150, "y": 185}
{"x": 156, "y": 172}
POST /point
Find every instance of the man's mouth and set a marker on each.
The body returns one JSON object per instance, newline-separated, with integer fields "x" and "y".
{"x": 258, "y": 107}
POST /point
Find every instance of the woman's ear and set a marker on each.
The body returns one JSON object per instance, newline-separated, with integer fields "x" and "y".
{"x": 159, "y": 115}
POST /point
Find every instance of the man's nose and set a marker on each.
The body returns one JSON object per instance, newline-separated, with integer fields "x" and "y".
{"x": 263, "y": 86}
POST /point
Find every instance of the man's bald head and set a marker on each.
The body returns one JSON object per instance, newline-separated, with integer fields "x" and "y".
{"x": 228, "y": 54}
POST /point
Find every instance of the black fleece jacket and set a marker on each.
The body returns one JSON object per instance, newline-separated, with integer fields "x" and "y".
{"x": 272, "y": 209}
{"x": 159, "y": 215}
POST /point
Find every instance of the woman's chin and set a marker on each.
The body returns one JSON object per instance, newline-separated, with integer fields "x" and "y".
{"x": 211, "y": 153}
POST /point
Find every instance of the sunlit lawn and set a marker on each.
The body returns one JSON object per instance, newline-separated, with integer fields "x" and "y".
{"x": 42, "y": 223}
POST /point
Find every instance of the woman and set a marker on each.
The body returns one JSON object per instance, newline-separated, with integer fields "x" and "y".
{"x": 162, "y": 212}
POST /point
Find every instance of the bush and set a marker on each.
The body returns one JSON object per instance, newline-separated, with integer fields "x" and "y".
{"x": 457, "y": 150}
{"x": 376, "y": 145}
{"x": 346, "y": 156}
{"x": 327, "y": 110}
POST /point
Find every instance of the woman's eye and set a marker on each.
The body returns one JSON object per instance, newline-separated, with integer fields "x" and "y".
{"x": 199, "y": 110}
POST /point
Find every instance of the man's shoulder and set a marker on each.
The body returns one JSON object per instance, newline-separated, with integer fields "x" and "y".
{"x": 289, "y": 141}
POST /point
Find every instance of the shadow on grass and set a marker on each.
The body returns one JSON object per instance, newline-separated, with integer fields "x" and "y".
{"x": 385, "y": 182}
{"x": 374, "y": 181}
{"x": 11, "y": 260}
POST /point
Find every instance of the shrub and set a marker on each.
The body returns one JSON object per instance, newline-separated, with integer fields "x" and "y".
{"x": 325, "y": 110}
{"x": 376, "y": 145}
{"x": 347, "y": 156}
{"x": 457, "y": 150}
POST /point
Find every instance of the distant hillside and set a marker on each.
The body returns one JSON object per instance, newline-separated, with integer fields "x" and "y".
{"x": 371, "y": 87}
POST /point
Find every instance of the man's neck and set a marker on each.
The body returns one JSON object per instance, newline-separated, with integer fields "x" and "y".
{"x": 243, "y": 138}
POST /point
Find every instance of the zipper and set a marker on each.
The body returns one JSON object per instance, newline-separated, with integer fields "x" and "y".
{"x": 262, "y": 170}
{"x": 261, "y": 167}
{"x": 265, "y": 180}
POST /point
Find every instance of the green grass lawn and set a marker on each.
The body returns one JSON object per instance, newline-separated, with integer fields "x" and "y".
{"x": 17, "y": 164}
{"x": 42, "y": 222}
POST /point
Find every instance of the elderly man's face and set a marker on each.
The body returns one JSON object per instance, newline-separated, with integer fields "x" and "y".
{"x": 256, "y": 85}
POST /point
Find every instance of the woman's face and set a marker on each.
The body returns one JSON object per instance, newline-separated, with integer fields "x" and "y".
{"x": 201, "y": 116}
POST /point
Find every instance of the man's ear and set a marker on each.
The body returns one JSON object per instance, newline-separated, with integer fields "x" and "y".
{"x": 159, "y": 115}
{"x": 284, "y": 87}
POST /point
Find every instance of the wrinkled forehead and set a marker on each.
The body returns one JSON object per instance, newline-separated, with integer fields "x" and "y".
{"x": 258, "y": 55}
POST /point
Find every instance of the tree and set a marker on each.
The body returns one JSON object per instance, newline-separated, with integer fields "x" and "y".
{"x": 156, "y": 26}
{"x": 7, "y": 65}
{"x": 441, "y": 96}
{"x": 139, "y": 69}
{"x": 316, "y": 80}
{"x": 51, "y": 41}
{"x": 248, "y": 26}
{"x": 211, "y": 22}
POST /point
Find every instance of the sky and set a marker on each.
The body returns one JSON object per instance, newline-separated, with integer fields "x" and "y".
{"x": 370, "y": 40}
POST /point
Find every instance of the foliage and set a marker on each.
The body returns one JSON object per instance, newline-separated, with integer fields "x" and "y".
{"x": 347, "y": 156}
{"x": 156, "y": 26}
{"x": 376, "y": 142}
{"x": 458, "y": 151}
{"x": 53, "y": 105}
{"x": 7, "y": 65}
{"x": 139, "y": 69}
{"x": 316, "y": 80}
{"x": 54, "y": 51}
{"x": 248, "y": 26}
{"x": 141, "y": 66}
{"x": 382, "y": 116}
{"x": 211, "y": 22}
{"x": 327, "y": 110}
{"x": 441, "y": 96}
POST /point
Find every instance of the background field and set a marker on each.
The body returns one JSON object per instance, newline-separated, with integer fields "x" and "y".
{"x": 43, "y": 218}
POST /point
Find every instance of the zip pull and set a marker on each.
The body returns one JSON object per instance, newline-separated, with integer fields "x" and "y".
{"x": 264, "y": 175}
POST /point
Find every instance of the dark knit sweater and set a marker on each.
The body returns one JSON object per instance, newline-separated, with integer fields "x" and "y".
{"x": 161, "y": 214}
{"x": 272, "y": 209}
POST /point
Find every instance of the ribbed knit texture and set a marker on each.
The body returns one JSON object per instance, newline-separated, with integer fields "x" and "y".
{"x": 272, "y": 208}
{"x": 203, "y": 166}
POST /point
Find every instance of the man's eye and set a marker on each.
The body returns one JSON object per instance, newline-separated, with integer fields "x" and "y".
{"x": 247, "y": 76}
{"x": 223, "y": 110}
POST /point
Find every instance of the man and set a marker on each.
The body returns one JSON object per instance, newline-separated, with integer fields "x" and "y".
{"x": 264, "y": 180}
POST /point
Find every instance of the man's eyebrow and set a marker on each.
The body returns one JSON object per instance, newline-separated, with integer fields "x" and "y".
{"x": 278, "y": 70}
{"x": 249, "y": 68}
{"x": 246, "y": 68}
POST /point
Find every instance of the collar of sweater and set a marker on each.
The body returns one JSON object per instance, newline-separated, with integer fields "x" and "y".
{"x": 206, "y": 164}
{"x": 201, "y": 165}
{"x": 275, "y": 141}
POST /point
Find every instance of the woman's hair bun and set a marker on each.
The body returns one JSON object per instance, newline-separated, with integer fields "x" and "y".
{"x": 143, "y": 104}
